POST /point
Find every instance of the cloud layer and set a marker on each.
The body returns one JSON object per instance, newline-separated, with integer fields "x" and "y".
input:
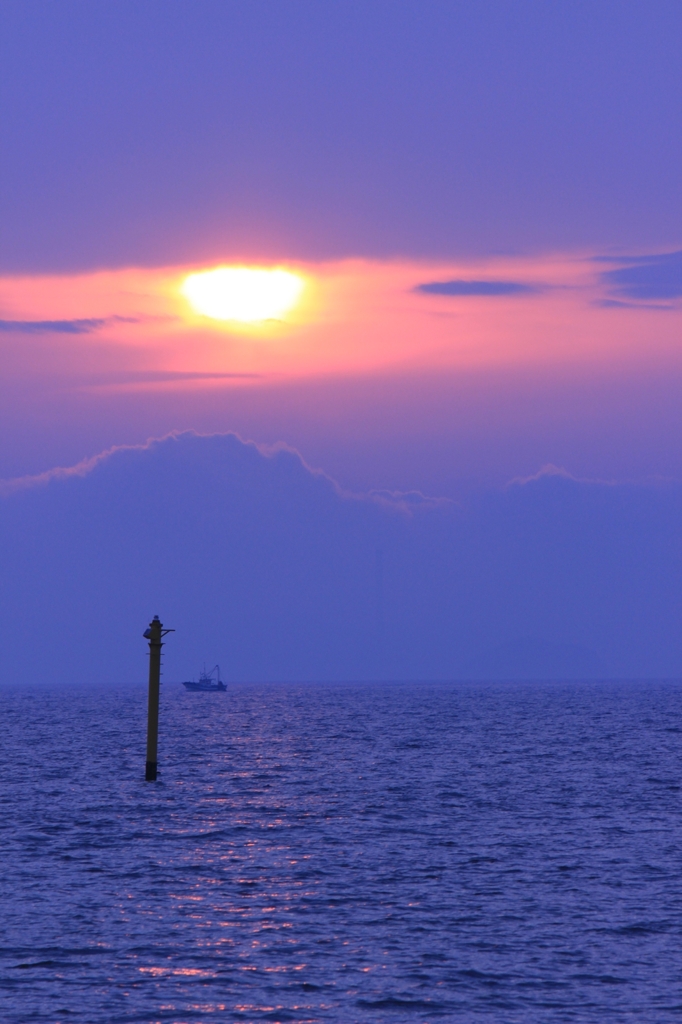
{"x": 266, "y": 566}
{"x": 647, "y": 277}
{"x": 464, "y": 288}
{"x": 355, "y": 317}
{"x": 77, "y": 326}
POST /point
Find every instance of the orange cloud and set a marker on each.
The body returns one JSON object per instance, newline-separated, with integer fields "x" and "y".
{"x": 355, "y": 317}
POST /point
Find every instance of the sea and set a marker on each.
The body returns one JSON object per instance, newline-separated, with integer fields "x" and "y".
{"x": 474, "y": 852}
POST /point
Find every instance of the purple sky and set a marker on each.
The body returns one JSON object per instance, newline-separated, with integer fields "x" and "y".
{"x": 484, "y": 200}
{"x": 169, "y": 131}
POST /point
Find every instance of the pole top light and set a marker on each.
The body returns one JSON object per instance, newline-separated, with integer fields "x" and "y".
{"x": 156, "y": 630}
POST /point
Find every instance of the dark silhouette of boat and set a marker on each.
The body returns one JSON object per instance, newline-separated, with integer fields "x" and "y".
{"x": 209, "y": 682}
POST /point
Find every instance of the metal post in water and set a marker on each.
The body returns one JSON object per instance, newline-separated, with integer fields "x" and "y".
{"x": 154, "y": 634}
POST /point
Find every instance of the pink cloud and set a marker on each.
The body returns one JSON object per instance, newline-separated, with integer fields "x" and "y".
{"x": 357, "y": 317}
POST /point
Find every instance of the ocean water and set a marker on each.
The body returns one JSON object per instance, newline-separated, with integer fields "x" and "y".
{"x": 465, "y": 852}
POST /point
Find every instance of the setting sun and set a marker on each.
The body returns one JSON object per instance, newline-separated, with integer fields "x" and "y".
{"x": 245, "y": 294}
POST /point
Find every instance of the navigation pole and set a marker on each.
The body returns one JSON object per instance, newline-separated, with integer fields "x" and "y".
{"x": 154, "y": 634}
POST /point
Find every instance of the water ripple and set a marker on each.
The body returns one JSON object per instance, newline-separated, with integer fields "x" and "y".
{"x": 493, "y": 853}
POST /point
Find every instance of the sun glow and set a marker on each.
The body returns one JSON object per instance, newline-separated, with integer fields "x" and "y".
{"x": 244, "y": 294}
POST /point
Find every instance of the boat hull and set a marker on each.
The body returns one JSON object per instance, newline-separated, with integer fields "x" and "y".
{"x": 211, "y": 687}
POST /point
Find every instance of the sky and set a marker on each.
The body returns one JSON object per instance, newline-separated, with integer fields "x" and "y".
{"x": 482, "y": 205}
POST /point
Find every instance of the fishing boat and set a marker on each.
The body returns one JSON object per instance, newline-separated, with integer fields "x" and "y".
{"x": 209, "y": 682}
